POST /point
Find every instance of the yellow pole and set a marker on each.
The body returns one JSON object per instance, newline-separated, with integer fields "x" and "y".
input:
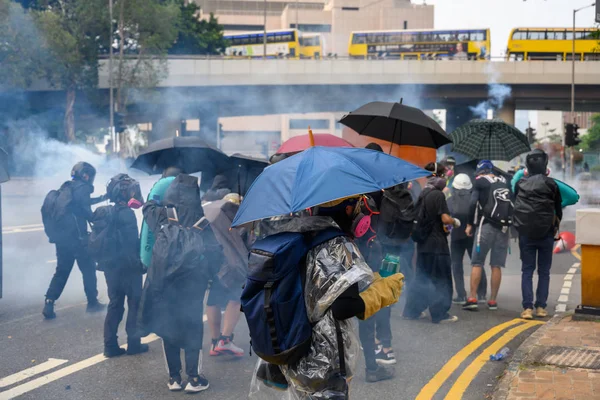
{"x": 311, "y": 137}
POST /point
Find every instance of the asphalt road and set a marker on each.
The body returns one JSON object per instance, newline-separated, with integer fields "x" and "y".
{"x": 27, "y": 341}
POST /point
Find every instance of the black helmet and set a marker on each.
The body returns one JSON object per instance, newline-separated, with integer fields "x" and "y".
{"x": 81, "y": 169}
{"x": 537, "y": 162}
{"x": 123, "y": 188}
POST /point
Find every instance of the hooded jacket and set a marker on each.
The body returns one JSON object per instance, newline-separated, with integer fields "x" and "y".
{"x": 184, "y": 258}
{"x": 218, "y": 190}
{"x": 332, "y": 269}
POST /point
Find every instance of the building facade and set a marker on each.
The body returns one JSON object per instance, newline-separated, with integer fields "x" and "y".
{"x": 333, "y": 19}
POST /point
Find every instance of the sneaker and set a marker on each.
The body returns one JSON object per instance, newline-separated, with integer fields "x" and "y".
{"x": 196, "y": 384}
{"x": 449, "y": 320}
{"x": 482, "y": 299}
{"x": 380, "y": 374}
{"x": 423, "y": 315}
{"x": 459, "y": 300}
{"x": 48, "y": 311}
{"x": 383, "y": 358}
{"x": 541, "y": 312}
{"x": 174, "y": 384}
{"x": 471, "y": 304}
{"x": 95, "y": 306}
{"x": 226, "y": 346}
{"x": 111, "y": 352}
{"x": 137, "y": 348}
{"x": 213, "y": 352}
{"x": 271, "y": 376}
{"x": 527, "y": 313}
{"x": 492, "y": 305}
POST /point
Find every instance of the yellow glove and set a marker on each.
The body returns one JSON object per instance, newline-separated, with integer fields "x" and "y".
{"x": 383, "y": 292}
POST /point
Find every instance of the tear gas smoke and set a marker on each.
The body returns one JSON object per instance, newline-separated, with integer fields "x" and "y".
{"x": 497, "y": 94}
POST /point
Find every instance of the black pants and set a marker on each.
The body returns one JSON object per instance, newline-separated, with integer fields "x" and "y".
{"x": 457, "y": 253}
{"x": 66, "y": 255}
{"x": 193, "y": 362}
{"x": 378, "y": 326}
{"x": 122, "y": 284}
{"x": 432, "y": 287}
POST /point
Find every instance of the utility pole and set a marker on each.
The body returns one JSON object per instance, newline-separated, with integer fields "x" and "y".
{"x": 110, "y": 80}
{"x": 297, "y": 23}
{"x": 265, "y": 32}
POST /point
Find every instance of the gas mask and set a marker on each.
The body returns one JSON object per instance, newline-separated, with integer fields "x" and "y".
{"x": 361, "y": 222}
{"x": 134, "y": 203}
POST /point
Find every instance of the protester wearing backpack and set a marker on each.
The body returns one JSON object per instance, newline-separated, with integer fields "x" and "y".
{"x": 307, "y": 280}
{"x": 185, "y": 257}
{"x": 114, "y": 244}
{"x": 538, "y": 213}
{"x": 65, "y": 214}
{"x": 432, "y": 287}
{"x": 491, "y": 202}
{"x": 458, "y": 204}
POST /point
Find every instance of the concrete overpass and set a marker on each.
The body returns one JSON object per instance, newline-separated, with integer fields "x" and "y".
{"x": 211, "y": 88}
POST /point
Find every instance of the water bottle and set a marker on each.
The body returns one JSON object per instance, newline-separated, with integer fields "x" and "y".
{"x": 500, "y": 355}
{"x": 389, "y": 265}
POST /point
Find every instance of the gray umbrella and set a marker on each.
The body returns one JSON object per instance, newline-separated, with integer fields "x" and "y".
{"x": 489, "y": 139}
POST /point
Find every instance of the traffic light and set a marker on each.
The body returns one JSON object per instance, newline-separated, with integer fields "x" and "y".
{"x": 572, "y": 135}
{"x": 120, "y": 125}
{"x": 530, "y": 135}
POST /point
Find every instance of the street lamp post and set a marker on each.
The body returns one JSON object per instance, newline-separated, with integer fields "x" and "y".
{"x": 110, "y": 79}
{"x": 297, "y": 23}
{"x": 265, "y": 32}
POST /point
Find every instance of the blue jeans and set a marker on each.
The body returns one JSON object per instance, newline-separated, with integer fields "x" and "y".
{"x": 532, "y": 249}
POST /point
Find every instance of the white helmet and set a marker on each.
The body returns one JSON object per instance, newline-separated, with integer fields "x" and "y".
{"x": 462, "y": 181}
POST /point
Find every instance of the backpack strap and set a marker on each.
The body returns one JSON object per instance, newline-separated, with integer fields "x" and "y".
{"x": 268, "y": 289}
{"x": 341, "y": 352}
{"x": 172, "y": 215}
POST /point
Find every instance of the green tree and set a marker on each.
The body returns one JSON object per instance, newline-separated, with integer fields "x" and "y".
{"x": 73, "y": 31}
{"x": 198, "y": 36}
{"x": 591, "y": 140}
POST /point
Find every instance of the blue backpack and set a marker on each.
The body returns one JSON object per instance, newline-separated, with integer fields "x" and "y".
{"x": 273, "y": 296}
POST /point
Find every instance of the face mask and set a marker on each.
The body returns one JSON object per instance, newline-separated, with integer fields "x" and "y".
{"x": 449, "y": 173}
{"x": 134, "y": 203}
{"x": 361, "y": 225}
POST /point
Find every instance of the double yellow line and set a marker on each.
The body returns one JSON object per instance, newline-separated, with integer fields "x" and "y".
{"x": 464, "y": 380}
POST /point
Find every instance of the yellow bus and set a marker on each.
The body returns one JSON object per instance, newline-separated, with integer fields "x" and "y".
{"x": 422, "y": 44}
{"x": 553, "y": 44}
{"x": 311, "y": 45}
{"x": 280, "y": 44}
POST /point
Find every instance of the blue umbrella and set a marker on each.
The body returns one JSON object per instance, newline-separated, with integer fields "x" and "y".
{"x": 319, "y": 175}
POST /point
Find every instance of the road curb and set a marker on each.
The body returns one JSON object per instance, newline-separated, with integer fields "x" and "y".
{"x": 503, "y": 388}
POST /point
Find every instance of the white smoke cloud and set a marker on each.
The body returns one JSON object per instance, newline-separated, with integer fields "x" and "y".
{"x": 497, "y": 94}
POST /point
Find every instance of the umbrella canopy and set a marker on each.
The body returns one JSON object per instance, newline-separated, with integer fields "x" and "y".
{"x": 191, "y": 154}
{"x": 302, "y": 142}
{"x": 489, "y": 139}
{"x": 248, "y": 162}
{"x": 396, "y": 123}
{"x": 319, "y": 175}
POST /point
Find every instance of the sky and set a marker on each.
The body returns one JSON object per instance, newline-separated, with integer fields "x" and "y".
{"x": 503, "y": 15}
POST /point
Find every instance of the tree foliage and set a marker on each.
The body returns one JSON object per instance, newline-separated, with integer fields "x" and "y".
{"x": 591, "y": 140}
{"x": 198, "y": 36}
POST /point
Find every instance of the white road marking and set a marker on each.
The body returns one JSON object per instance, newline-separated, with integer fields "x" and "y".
{"x": 572, "y": 270}
{"x": 567, "y": 284}
{"x": 61, "y": 373}
{"x": 565, "y": 290}
{"x": 563, "y": 298}
{"x": 569, "y": 277}
{"x": 576, "y": 265}
{"x": 51, "y": 261}
{"x": 561, "y": 308}
{"x": 29, "y": 372}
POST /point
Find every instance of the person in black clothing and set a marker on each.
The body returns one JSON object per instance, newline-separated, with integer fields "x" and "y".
{"x": 123, "y": 271}
{"x": 432, "y": 287}
{"x": 218, "y": 190}
{"x": 458, "y": 204}
{"x": 538, "y": 213}
{"x": 69, "y": 249}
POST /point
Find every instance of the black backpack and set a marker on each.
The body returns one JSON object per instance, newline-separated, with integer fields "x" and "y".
{"x": 60, "y": 224}
{"x": 499, "y": 207}
{"x": 103, "y": 242}
{"x": 534, "y": 207}
{"x": 397, "y": 215}
{"x": 423, "y": 225}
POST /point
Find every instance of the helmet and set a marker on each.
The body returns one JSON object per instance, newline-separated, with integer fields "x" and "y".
{"x": 83, "y": 169}
{"x": 462, "y": 181}
{"x": 123, "y": 188}
{"x": 484, "y": 167}
{"x": 450, "y": 160}
{"x": 537, "y": 162}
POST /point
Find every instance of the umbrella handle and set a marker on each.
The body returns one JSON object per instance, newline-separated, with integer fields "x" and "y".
{"x": 311, "y": 137}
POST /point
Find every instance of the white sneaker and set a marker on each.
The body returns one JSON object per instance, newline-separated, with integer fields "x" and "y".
{"x": 174, "y": 384}
{"x": 226, "y": 346}
{"x": 449, "y": 320}
{"x": 197, "y": 384}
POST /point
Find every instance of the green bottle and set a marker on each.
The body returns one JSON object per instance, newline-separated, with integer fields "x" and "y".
{"x": 390, "y": 265}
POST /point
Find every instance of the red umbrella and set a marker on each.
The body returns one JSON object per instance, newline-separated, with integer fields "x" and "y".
{"x": 301, "y": 143}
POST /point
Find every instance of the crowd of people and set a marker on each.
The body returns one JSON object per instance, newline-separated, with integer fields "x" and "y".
{"x": 352, "y": 258}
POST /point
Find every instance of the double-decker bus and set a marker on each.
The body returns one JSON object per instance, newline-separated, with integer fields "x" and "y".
{"x": 423, "y": 44}
{"x": 280, "y": 44}
{"x": 311, "y": 45}
{"x": 553, "y": 44}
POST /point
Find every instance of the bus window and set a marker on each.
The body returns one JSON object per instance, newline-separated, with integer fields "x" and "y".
{"x": 536, "y": 35}
{"x": 519, "y": 35}
{"x": 569, "y": 35}
{"x": 359, "y": 39}
{"x": 477, "y": 36}
{"x": 591, "y": 57}
{"x": 445, "y": 37}
{"x": 579, "y": 35}
{"x": 463, "y": 37}
{"x": 516, "y": 57}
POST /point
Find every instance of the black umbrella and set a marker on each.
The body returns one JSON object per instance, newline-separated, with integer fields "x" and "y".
{"x": 248, "y": 169}
{"x": 489, "y": 139}
{"x": 191, "y": 154}
{"x": 396, "y": 123}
